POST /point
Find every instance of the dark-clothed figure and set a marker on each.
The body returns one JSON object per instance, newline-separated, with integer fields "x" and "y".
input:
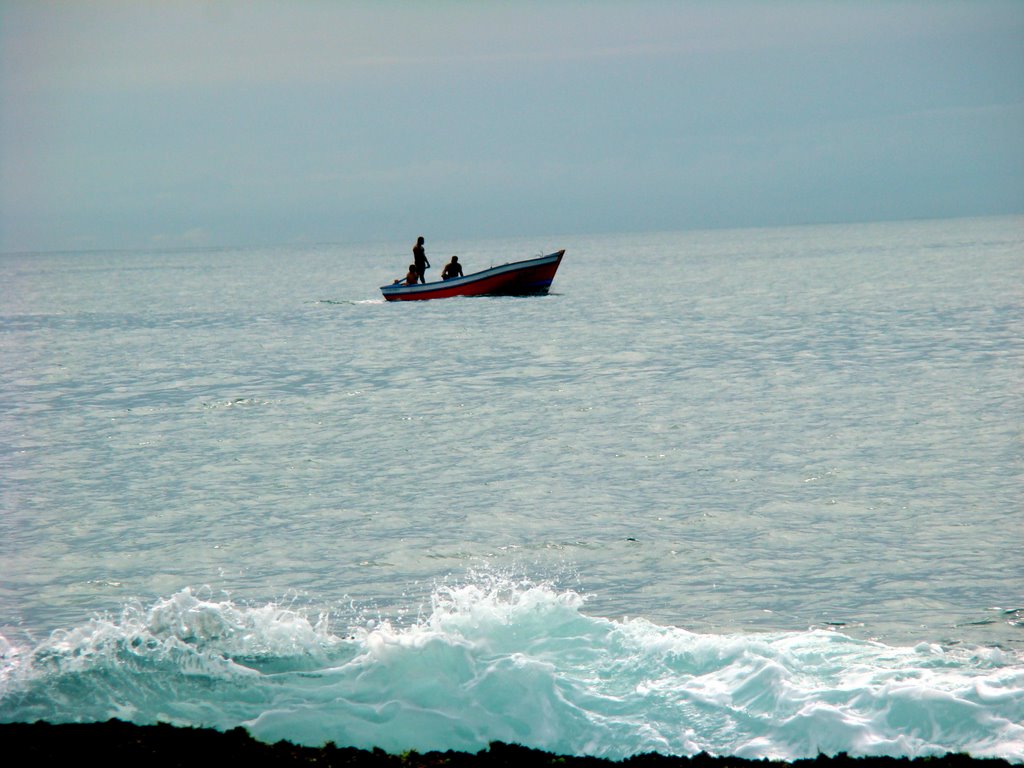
{"x": 419, "y": 255}
{"x": 413, "y": 275}
{"x": 452, "y": 269}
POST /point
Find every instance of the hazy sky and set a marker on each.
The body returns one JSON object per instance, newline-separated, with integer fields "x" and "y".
{"x": 130, "y": 125}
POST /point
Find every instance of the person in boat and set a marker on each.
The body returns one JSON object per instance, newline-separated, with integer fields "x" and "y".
{"x": 419, "y": 256}
{"x": 452, "y": 269}
{"x": 413, "y": 275}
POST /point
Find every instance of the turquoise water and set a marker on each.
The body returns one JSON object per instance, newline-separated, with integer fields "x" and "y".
{"x": 755, "y": 492}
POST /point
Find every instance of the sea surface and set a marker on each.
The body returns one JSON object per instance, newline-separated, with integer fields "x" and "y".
{"x": 753, "y": 492}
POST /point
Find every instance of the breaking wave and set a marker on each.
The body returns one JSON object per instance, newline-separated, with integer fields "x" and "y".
{"x": 518, "y": 662}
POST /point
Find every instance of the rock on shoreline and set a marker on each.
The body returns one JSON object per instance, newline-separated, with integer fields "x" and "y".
{"x": 115, "y": 743}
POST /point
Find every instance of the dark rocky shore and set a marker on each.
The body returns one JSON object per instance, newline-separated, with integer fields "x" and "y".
{"x": 114, "y": 744}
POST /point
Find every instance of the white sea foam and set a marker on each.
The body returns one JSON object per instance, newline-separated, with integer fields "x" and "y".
{"x": 519, "y": 662}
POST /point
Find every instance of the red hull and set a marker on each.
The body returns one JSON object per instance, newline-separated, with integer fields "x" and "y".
{"x": 521, "y": 278}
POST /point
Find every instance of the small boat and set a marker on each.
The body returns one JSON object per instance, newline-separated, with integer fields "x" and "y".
{"x": 520, "y": 278}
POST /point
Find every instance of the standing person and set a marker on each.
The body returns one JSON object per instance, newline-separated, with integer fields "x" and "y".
{"x": 419, "y": 255}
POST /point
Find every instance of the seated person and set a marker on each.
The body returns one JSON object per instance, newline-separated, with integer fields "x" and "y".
{"x": 452, "y": 269}
{"x": 413, "y": 276}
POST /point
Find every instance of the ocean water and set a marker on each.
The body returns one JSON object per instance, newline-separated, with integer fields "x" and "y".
{"x": 753, "y": 492}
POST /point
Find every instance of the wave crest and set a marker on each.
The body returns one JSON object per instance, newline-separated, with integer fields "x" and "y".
{"x": 514, "y": 661}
